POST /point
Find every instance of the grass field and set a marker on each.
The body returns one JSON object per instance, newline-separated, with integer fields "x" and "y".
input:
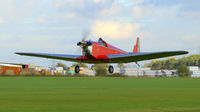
{"x": 90, "y": 94}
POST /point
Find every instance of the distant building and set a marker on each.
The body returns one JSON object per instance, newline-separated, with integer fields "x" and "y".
{"x": 194, "y": 71}
{"x": 89, "y": 72}
{"x": 138, "y": 72}
{"x": 12, "y": 66}
{"x": 24, "y": 66}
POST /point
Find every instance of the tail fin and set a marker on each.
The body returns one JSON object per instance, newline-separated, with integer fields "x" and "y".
{"x": 136, "y": 48}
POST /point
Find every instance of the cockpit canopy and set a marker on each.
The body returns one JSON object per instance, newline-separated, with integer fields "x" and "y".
{"x": 102, "y": 42}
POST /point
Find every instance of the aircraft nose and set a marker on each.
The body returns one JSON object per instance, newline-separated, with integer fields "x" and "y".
{"x": 86, "y": 43}
{"x": 79, "y": 43}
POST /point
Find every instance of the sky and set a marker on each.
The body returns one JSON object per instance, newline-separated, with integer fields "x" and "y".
{"x": 55, "y": 26}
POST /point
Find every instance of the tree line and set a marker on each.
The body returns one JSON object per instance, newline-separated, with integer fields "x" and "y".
{"x": 172, "y": 63}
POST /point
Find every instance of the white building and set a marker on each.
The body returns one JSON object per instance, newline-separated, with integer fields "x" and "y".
{"x": 137, "y": 72}
{"x": 90, "y": 72}
{"x": 194, "y": 71}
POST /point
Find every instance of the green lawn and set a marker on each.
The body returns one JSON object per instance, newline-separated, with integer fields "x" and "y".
{"x": 90, "y": 94}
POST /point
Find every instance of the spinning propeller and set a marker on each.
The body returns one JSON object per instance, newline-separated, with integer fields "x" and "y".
{"x": 84, "y": 43}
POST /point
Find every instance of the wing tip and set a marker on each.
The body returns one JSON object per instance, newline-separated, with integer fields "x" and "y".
{"x": 20, "y": 53}
{"x": 17, "y": 52}
{"x": 185, "y": 52}
{"x": 181, "y": 52}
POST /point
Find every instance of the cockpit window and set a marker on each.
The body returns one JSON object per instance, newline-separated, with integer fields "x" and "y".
{"x": 102, "y": 42}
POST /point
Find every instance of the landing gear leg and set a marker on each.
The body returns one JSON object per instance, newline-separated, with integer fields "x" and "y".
{"x": 92, "y": 67}
{"x": 77, "y": 69}
{"x": 110, "y": 69}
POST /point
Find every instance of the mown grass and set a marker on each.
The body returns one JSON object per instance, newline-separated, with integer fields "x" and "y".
{"x": 99, "y": 94}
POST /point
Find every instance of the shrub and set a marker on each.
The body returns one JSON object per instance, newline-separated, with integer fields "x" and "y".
{"x": 183, "y": 71}
{"x": 101, "y": 69}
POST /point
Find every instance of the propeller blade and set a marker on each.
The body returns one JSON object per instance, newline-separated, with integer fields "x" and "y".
{"x": 85, "y": 34}
{"x": 82, "y": 44}
{"x": 78, "y": 51}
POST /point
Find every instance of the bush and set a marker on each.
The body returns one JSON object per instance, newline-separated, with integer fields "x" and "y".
{"x": 101, "y": 69}
{"x": 26, "y": 72}
{"x": 79, "y": 75}
{"x": 183, "y": 71}
{"x": 117, "y": 75}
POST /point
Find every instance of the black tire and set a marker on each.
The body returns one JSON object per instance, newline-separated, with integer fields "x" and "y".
{"x": 77, "y": 69}
{"x": 110, "y": 69}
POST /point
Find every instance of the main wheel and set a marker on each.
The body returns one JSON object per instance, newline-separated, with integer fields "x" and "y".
{"x": 77, "y": 69}
{"x": 110, "y": 69}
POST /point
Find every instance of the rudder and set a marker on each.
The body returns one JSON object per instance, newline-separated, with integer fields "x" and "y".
{"x": 136, "y": 48}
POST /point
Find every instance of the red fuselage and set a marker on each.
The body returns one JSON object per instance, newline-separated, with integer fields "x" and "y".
{"x": 99, "y": 50}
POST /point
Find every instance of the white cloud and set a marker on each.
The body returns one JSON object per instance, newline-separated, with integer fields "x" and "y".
{"x": 84, "y": 9}
{"x": 151, "y": 11}
{"x": 191, "y": 37}
{"x": 31, "y": 41}
{"x": 114, "y": 30}
{"x": 17, "y": 11}
{"x": 31, "y": 3}
{"x": 140, "y": 1}
{"x": 42, "y": 20}
{"x": 51, "y": 28}
{"x": 191, "y": 14}
{"x": 71, "y": 4}
{"x": 140, "y": 11}
{"x": 99, "y": 1}
{"x": 69, "y": 16}
{"x": 1, "y": 20}
{"x": 115, "y": 8}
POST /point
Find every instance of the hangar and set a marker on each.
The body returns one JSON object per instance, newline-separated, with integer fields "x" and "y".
{"x": 12, "y": 66}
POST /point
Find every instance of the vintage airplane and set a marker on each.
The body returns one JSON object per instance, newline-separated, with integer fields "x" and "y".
{"x": 102, "y": 52}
